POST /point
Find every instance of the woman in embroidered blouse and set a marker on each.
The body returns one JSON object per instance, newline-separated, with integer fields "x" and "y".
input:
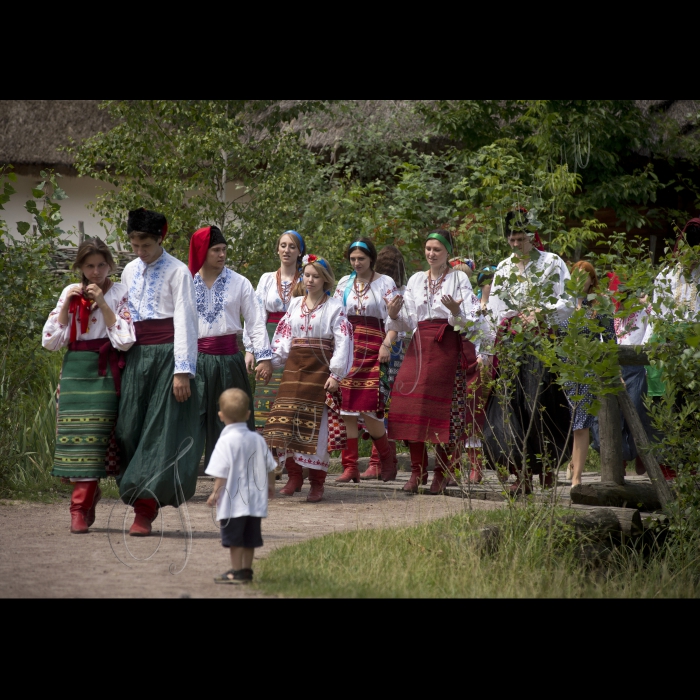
{"x": 577, "y": 393}
{"x": 92, "y": 320}
{"x": 364, "y": 295}
{"x": 313, "y": 343}
{"x": 274, "y": 292}
{"x": 222, "y": 296}
{"x": 428, "y": 398}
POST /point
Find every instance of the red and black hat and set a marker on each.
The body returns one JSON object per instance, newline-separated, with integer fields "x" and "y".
{"x": 145, "y": 221}
{"x": 201, "y": 241}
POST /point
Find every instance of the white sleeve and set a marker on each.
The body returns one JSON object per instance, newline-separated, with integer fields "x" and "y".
{"x": 407, "y": 320}
{"x": 480, "y": 331}
{"x": 260, "y": 301}
{"x": 122, "y": 334}
{"x": 281, "y": 342}
{"x": 219, "y": 464}
{"x": 185, "y": 320}
{"x": 341, "y": 362}
{"x": 565, "y": 305}
{"x": 254, "y": 323}
{"x": 270, "y": 461}
{"x": 56, "y": 336}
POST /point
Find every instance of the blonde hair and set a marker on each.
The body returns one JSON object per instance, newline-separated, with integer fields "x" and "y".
{"x": 326, "y": 273}
{"x": 235, "y": 404}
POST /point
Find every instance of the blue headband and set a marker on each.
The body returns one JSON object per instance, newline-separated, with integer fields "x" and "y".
{"x": 360, "y": 244}
{"x": 302, "y": 245}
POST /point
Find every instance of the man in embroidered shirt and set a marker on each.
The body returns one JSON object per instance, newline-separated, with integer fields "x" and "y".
{"x": 223, "y": 296}
{"x": 159, "y": 407}
{"x": 531, "y": 285}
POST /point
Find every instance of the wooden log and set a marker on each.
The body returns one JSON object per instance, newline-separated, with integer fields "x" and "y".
{"x": 631, "y": 495}
{"x": 639, "y": 435}
{"x": 612, "y": 468}
{"x": 629, "y": 520}
{"x": 597, "y": 524}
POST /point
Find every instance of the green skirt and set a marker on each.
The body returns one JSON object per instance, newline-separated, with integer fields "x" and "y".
{"x": 154, "y": 429}
{"x": 87, "y": 413}
{"x": 215, "y": 374}
{"x": 265, "y": 395}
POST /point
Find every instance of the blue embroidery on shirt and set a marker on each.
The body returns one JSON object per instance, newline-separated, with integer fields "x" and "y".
{"x": 211, "y": 302}
{"x": 146, "y": 286}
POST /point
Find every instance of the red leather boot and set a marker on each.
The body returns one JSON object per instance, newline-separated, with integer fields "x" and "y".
{"x": 375, "y": 465}
{"x": 441, "y": 475}
{"x": 419, "y": 467}
{"x": 348, "y": 458}
{"x": 295, "y": 478}
{"x": 317, "y": 477}
{"x": 521, "y": 487}
{"x": 81, "y": 501}
{"x": 475, "y": 474}
{"x": 145, "y": 512}
{"x": 90, "y": 518}
{"x": 388, "y": 469}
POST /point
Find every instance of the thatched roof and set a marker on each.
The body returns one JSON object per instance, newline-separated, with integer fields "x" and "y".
{"x": 31, "y": 131}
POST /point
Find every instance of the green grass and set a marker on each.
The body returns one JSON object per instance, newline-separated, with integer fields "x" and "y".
{"x": 444, "y": 559}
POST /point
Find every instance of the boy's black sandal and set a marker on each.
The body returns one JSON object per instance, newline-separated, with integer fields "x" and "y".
{"x": 232, "y": 576}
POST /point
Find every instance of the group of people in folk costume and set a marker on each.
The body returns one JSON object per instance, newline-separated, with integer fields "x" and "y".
{"x": 148, "y": 359}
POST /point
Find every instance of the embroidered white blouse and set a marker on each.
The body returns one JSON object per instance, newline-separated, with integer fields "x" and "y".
{"x": 121, "y": 334}
{"x": 420, "y": 305}
{"x": 328, "y": 322}
{"x": 164, "y": 289}
{"x": 220, "y": 308}
{"x": 675, "y": 299}
{"x": 268, "y": 300}
{"x": 541, "y": 280}
{"x": 372, "y": 301}
{"x": 632, "y": 330}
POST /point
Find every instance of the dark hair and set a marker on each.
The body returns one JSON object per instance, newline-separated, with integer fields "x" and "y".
{"x": 390, "y": 262}
{"x": 692, "y": 234}
{"x": 372, "y": 250}
{"x": 92, "y": 246}
{"x": 445, "y": 234}
{"x": 515, "y": 223}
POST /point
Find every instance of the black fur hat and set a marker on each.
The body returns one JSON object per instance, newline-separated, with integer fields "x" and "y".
{"x": 148, "y": 222}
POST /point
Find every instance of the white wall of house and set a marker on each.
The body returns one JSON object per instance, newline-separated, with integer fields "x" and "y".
{"x": 80, "y": 190}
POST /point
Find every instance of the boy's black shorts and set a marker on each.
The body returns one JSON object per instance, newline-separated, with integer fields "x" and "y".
{"x": 241, "y": 532}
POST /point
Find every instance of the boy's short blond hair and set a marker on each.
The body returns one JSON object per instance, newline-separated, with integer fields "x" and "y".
{"x": 234, "y": 404}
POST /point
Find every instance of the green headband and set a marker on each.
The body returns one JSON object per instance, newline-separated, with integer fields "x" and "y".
{"x": 442, "y": 239}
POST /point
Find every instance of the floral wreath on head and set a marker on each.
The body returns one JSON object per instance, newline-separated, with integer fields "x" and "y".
{"x": 311, "y": 259}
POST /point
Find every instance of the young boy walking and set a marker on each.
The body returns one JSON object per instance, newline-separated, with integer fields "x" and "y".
{"x": 241, "y": 463}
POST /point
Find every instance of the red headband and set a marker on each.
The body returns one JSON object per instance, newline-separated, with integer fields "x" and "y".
{"x": 199, "y": 246}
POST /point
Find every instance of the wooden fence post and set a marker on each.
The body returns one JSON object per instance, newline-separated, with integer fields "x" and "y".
{"x": 81, "y": 229}
{"x": 612, "y": 468}
{"x": 639, "y": 436}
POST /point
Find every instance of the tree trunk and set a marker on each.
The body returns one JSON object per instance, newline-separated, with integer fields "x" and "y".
{"x": 639, "y": 435}
{"x": 612, "y": 468}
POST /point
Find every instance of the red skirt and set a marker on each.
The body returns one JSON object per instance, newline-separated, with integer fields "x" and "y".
{"x": 360, "y": 389}
{"x": 428, "y": 401}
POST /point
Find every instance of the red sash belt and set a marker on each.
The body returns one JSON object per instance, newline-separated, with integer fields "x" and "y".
{"x": 275, "y": 316}
{"x": 371, "y": 321}
{"x": 218, "y": 345}
{"x": 107, "y": 353}
{"x": 155, "y": 332}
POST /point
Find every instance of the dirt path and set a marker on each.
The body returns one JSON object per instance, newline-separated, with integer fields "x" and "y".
{"x": 41, "y": 559}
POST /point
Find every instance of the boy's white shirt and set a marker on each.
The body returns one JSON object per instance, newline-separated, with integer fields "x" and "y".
{"x": 243, "y": 458}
